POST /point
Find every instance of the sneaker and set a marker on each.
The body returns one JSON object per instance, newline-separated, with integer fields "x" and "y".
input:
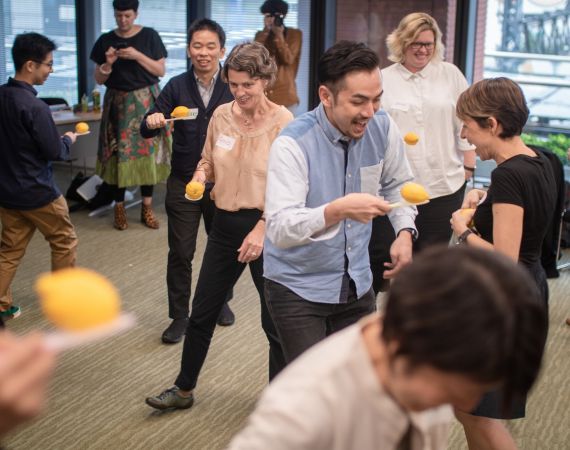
{"x": 11, "y": 313}
{"x": 170, "y": 399}
{"x": 226, "y": 317}
{"x": 175, "y": 331}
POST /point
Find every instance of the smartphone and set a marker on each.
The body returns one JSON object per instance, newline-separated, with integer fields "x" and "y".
{"x": 278, "y": 20}
{"x": 120, "y": 45}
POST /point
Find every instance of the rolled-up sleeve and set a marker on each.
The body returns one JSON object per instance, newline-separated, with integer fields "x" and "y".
{"x": 289, "y": 222}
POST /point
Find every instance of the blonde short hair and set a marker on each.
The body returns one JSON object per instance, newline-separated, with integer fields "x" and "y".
{"x": 253, "y": 58}
{"x": 408, "y": 31}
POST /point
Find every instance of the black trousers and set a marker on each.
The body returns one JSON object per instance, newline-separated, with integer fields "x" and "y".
{"x": 220, "y": 270}
{"x": 433, "y": 227}
{"x": 183, "y": 224}
{"x": 301, "y": 323}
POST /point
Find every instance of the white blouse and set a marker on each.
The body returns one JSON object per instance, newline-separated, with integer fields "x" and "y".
{"x": 424, "y": 103}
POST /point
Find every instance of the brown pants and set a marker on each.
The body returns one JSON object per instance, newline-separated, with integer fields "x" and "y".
{"x": 18, "y": 227}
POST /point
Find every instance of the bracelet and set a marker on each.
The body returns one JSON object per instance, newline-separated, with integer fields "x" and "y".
{"x": 469, "y": 169}
{"x": 462, "y": 239}
{"x": 105, "y": 72}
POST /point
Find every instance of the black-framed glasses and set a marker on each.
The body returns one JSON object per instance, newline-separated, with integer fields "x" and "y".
{"x": 427, "y": 45}
{"x": 49, "y": 64}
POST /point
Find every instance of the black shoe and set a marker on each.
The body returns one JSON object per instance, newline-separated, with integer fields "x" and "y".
{"x": 226, "y": 317}
{"x": 170, "y": 399}
{"x": 175, "y": 331}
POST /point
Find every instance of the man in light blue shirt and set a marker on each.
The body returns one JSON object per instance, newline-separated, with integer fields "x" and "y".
{"x": 327, "y": 170}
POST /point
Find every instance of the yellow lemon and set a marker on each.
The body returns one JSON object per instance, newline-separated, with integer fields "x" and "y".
{"x": 411, "y": 138}
{"x": 77, "y": 299}
{"x": 179, "y": 111}
{"x": 414, "y": 193}
{"x": 468, "y": 212}
{"x": 81, "y": 127}
{"x": 195, "y": 190}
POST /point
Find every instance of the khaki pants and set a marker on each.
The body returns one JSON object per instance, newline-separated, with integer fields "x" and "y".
{"x": 18, "y": 227}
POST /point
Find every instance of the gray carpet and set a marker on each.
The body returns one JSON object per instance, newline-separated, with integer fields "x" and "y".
{"x": 97, "y": 396}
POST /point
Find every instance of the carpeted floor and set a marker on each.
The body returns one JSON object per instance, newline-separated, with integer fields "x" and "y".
{"x": 97, "y": 396}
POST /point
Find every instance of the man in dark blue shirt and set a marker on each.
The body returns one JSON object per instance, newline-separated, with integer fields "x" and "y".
{"x": 29, "y": 141}
{"x": 201, "y": 90}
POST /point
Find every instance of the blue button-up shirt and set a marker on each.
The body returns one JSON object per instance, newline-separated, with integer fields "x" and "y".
{"x": 307, "y": 170}
{"x": 29, "y": 140}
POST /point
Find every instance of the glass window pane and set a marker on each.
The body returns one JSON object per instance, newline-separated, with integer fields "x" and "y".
{"x": 168, "y": 17}
{"x": 241, "y": 19}
{"x": 56, "y": 20}
{"x": 531, "y": 45}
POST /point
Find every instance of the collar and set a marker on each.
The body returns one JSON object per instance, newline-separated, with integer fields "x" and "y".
{"x": 212, "y": 83}
{"x": 407, "y": 75}
{"x": 332, "y": 133}
{"x": 22, "y": 84}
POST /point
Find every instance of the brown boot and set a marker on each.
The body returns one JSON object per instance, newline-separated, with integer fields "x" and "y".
{"x": 120, "y": 222}
{"x": 148, "y": 218}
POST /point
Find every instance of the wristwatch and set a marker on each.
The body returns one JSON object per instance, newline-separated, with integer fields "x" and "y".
{"x": 413, "y": 232}
{"x": 462, "y": 239}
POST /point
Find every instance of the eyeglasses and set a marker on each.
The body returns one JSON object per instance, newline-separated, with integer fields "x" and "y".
{"x": 427, "y": 45}
{"x": 49, "y": 64}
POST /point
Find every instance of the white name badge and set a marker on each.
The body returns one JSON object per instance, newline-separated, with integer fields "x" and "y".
{"x": 192, "y": 113}
{"x": 225, "y": 142}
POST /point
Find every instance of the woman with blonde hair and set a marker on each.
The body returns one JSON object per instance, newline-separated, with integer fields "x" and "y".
{"x": 512, "y": 218}
{"x": 235, "y": 158}
{"x": 420, "y": 91}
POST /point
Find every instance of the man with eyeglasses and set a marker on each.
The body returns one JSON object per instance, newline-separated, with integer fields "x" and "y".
{"x": 29, "y": 141}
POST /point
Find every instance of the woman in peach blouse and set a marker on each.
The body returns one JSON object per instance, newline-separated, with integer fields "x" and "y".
{"x": 235, "y": 158}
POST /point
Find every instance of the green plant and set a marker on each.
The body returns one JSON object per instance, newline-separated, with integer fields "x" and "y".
{"x": 556, "y": 143}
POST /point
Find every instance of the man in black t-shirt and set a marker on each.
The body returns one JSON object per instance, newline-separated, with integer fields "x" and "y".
{"x": 201, "y": 90}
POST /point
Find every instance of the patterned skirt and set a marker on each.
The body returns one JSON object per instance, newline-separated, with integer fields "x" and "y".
{"x": 124, "y": 157}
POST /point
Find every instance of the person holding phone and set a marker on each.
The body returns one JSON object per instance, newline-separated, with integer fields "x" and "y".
{"x": 284, "y": 44}
{"x": 129, "y": 61}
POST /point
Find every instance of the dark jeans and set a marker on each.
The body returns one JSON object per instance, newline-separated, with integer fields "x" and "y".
{"x": 119, "y": 193}
{"x": 220, "y": 269}
{"x": 433, "y": 227}
{"x": 183, "y": 223}
{"x": 301, "y": 323}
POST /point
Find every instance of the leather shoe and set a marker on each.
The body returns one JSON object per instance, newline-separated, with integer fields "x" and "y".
{"x": 175, "y": 331}
{"x": 226, "y": 317}
{"x": 170, "y": 398}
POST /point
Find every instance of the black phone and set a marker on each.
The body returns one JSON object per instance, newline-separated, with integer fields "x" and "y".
{"x": 278, "y": 20}
{"x": 120, "y": 45}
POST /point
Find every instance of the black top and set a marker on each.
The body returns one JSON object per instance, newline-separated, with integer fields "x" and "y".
{"x": 189, "y": 135}
{"x": 29, "y": 140}
{"x": 128, "y": 75}
{"x": 527, "y": 182}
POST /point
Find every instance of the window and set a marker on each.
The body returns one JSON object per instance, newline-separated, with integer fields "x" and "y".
{"x": 531, "y": 45}
{"x": 241, "y": 19}
{"x": 168, "y": 17}
{"x": 55, "y": 19}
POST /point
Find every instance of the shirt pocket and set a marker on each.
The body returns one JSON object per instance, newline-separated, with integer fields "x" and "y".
{"x": 370, "y": 178}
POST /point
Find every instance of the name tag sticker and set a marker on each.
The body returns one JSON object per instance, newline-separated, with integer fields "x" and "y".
{"x": 225, "y": 142}
{"x": 192, "y": 113}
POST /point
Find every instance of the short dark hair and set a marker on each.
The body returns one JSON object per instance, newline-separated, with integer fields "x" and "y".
{"x": 342, "y": 58}
{"x": 253, "y": 58}
{"x": 500, "y": 98}
{"x": 469, "y": 311}
{"x": 30, "y": 47}
{"x": 125, "y": 5}
{"x": 274, "y": 7}
{"x": 210, "y": 25}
